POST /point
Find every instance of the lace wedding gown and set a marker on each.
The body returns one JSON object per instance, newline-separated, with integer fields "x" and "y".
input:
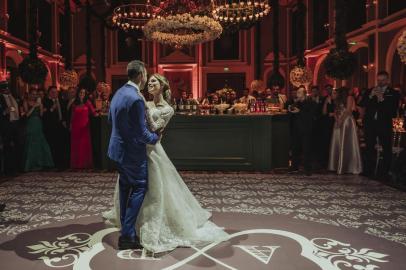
{"x": 170, "y": 215}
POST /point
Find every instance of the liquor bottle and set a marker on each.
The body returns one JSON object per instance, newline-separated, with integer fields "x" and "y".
{"x": 252, "y": 106}
{"x": 181, "y": 106}
{"x": 263, "y": 108}
{"x": 194, "y": 107}
{"x": 187, "y": 106}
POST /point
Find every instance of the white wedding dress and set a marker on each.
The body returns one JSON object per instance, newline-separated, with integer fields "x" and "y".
{"x": 170, "y": 215}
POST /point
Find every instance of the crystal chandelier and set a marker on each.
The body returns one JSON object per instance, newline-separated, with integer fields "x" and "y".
{"x": 239, "y": 11}
{"x": 134, "y": 16}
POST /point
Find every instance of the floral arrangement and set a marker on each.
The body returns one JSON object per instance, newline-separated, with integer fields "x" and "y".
{"x": 340, "y": 64}
{"x": 223, "y": 92}
{"x": 33, "y": 70}
{"x": 222, "y": 107}
{"x": 300, "y": 75}
{"x": 182, "y": 30}
{"x": 68, "y": 78}
{"x": 402, "y": 47}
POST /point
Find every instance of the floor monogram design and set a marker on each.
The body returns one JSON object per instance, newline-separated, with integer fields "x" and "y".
{"x": 323, "y": 222}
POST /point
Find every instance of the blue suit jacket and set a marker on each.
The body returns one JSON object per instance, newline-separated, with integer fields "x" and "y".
{"x": 129, "y": 134}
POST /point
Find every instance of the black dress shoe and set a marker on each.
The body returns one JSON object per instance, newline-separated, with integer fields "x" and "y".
{"x": 127, "y": 243}
{"x": 293, "y": 169}
{"x": 308, "y": 173}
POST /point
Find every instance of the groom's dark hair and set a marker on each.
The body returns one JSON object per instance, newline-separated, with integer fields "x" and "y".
{"x": 135, "y": 68}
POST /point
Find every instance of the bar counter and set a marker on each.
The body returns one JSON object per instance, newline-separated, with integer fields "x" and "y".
{"x": 214, "y": 142}
{"x": 228, "y": 142}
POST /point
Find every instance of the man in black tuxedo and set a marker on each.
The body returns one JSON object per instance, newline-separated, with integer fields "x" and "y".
{"x": 9, "y": 128}
{"x": 55, "y": 127}
{"x": 381, "y": 104}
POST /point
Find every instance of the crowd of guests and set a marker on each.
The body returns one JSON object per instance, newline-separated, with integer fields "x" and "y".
{"x": 326, "y": 129}
{"x": 47, "y": 129}
{"x": 51, "y": 129}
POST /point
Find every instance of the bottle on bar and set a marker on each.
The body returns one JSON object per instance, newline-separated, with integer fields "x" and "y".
{"x": 187, "y": 105}
{"x": 252, "y": 106}
{"x": 181, "y": 106}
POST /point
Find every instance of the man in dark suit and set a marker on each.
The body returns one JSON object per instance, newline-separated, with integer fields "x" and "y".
{"x": 317, "y": 136}
{"x": 55, "y": 127}
{"x": 127, "y": 147}
{"x": 381, "y": 104}
{"x": 9, "y": 128}
{"x": 303, "y": 115}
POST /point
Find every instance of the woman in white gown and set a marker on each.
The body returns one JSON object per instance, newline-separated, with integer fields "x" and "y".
{"x": 345, "y": 156}
{"x": 170, "y": 215}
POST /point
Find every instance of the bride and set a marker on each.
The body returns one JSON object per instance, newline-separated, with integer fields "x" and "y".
{"x": 170, "y": 215}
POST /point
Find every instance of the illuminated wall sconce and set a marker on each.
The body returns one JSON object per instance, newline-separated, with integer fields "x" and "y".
{"x": 369, "y": 67}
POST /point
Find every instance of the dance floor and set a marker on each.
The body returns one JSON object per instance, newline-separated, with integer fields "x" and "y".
{"x": 275, "y": 221}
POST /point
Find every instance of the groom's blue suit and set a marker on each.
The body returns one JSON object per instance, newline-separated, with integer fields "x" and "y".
{"x": 127, "y": 148}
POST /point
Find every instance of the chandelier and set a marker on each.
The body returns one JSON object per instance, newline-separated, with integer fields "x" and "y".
{"x": 239, "y": 11}
{"x": 134, "y": 16}
{"x": 182, "y": 30}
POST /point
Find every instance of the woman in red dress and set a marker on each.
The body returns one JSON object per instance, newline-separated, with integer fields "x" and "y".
{"x": 81, "y": 145}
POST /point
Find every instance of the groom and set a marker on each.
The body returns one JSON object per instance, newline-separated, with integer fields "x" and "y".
{"x": 127, "y": 148}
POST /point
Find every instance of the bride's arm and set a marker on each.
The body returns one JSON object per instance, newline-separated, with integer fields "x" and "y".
{"x": 153, "y": 125}
{"x": 166, "y": 114}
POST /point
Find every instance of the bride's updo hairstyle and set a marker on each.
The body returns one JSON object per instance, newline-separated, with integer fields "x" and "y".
{"x": 166, "y": 89}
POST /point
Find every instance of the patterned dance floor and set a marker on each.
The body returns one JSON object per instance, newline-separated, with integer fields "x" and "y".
{"x": 275, "y": 221}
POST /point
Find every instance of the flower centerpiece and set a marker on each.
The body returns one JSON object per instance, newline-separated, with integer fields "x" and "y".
{"x": 182, "y": 30}
{"x": 240, "y": 108}
{"x": 401, "y": 46}
{"x": 222, "y": 107}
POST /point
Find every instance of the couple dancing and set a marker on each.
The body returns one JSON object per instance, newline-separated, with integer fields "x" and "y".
{"x": 152, "y": 204}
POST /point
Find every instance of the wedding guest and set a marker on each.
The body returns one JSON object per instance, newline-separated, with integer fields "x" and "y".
{"x": 345, "y": 156}
{"x": 292, "y": 116}
{"x": 328, "y": 121}
{"x": 215, "y": 99}
{"x": 183, "y": 97}
{"x": 318, "y": 126}
{"x": 192, "y": 100}
{"x": 380, "y": 105}
{"x": 37, "y": 152}
{"x": 55, "y": 127}
{"x": 257, "y": 87}
{"x": 81, "y": 145}
{"x": 247, "y": 97}
{"x": 277, "y": 97}
{"x": 9, "y": 128}
{"x": 292, "y": 96}
{"x": 303, "y": 111}
{"x": 231, "y": 98}
{"x": 41, "y": 94}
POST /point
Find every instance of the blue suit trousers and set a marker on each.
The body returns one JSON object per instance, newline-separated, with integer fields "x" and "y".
{"x": 133, "y": 185}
